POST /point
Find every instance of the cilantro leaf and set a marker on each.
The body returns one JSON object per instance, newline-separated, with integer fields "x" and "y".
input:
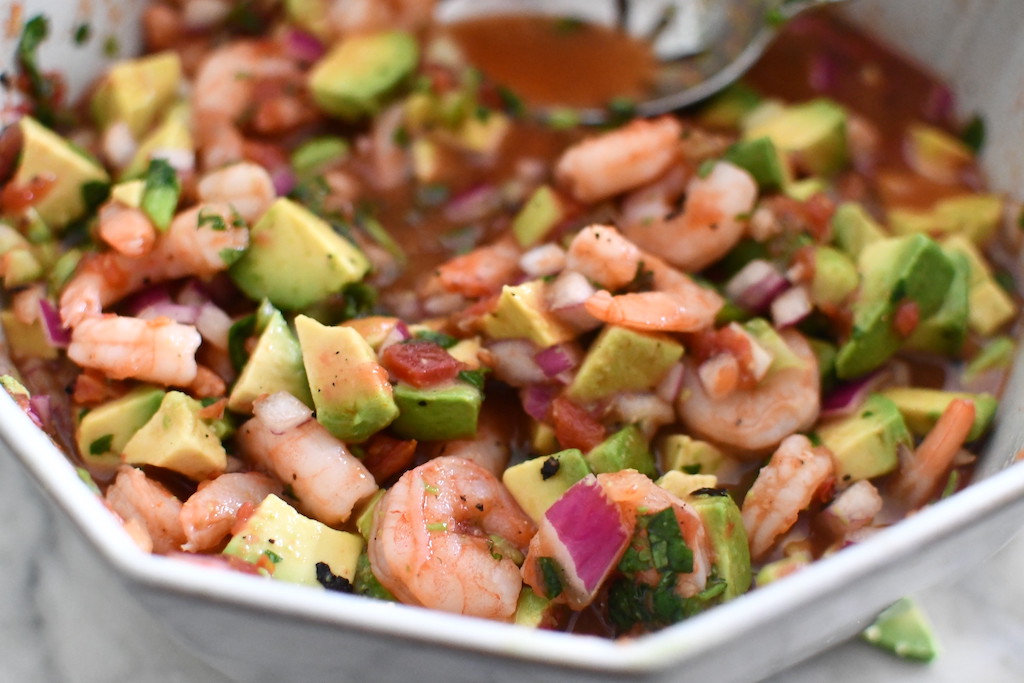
{"x": 160, "y": 194}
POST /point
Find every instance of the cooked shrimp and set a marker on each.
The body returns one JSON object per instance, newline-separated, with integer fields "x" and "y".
{"x": 924, "y": 471}
{"x": 852, "y": 510}
{"x": 784, "y": 402}
{"x": 345, "y": 17}
{"x": 195, "y": 244}
{"x": 431, "y": 542}
{"x": 158, "y": 350}
{"x": 227, "y": 79}
{"x": 149, "y": 506}
{"x": 676, "y": 304}
{"x": 784, "y": 487}
{"x": 126, "y": 229}
{"x": 623, "y": 159}
{"x": 710, "y": 224}
{"x": 209, "y": 513}
{"x": 489, "y": 447}
{"x": 246, "y": 186}
{"x": 326, "y": 479}
{"x": 482, "y": 271}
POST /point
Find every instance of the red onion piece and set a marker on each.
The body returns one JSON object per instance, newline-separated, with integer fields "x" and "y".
{"x": 557, "y": 359}
{"x": 284, "y": 180}
{"x": 192, "y": 293}
{"x": 537, "y": 400}
{"x": 790, "y": 307}
{"x": 473, "y": 204}
{"x": 40, "y": 410}
{"x": 158, "y": 294}
{"x": 281, "y": 411}
{"x": 304, "y": 46}
{"x": 756, "y": 285}
{"x": 940, "y": 105}
{"x": 825, "y": 73}
{"x": 58, "y": 335}
{"x": 565, "y": 297}
{"x": 847, "y": 397}
{"x": 513, "y": 362}
{"x": 399, "y": 333}
{"x": 587, "y": 535}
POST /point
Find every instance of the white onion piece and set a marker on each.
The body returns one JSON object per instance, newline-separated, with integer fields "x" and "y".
{"x": 513, "y": 362}
{"x": 281, "y": 411}
{"x": 199, "y": 15}
{"x": 671, "y": 384}
{"x": 648, "y": 411}
{"x": 118, "y": 144}
{"x": 543, "y": 260}
{"x": 760, "y": 359}
{"x": 791, "y": 307}
{"x": 181, "y": 160}
{"x": 213, "y": 325}
{"x": 570, "y": 288}
{"x": 755, "y": 285}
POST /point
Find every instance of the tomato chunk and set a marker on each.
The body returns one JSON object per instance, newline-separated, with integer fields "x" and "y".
{"x": 387, "y": 456}
{"x": 420, "y": 362}
{"x": 574, "y": 426}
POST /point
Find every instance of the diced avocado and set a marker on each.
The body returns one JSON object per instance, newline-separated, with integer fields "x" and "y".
{"x": 854, "y": 229}
{"x": 103, "y": 431}
{"x": 761, "y": 159}
{"x": 825, "y": 352}
{"x": 482, "y": 135}
{"x": 921, "y": 408}
{"x": 762, "y": 111}
{"x": 945, "y": 330}
{"x": 621, "y": 359}
{"x": 866, "y": 444}
{"x": 313, "y": 155}
{"x": 541, "y": 213}
{"x": 975, "y": 215}
{"x": 310, "y": 15}
{"x": 367, "y": 584}
{"x": 26, "y": 340}
{"x": 539, "y": 482}
{"x": 137, "y": 91}
{"x": 773, "y": 571}
{"x": 365, "y": 518}
{"x": 723, "y": 523}
{"x": 813, "y": 134}
{"x": 19, "y": 263}
{"x": 727, "y": 109}
{"x": 624, "y": 450}
{"x": 681, "y": 484}
{"x": 936, "y": 154}
{"x": 427, "y": 164}
{"x": 350, "y": 389}
{"x": 521, "y": 314}
{"x": 805, "y": 188}
{"x": 542, "y": 438}
{"x": 835, "y": 277}
{"x": 997, "y": 354}
{"x": 172, "y": 135}
{"x": 467, "y": 352}
{"x": 46, "y": 155}
{"x": 295, "y": 258}
{"x": 295, "y": 548}
{"x": 768, "y": 338}
{"x": 275, "y": 364}
{"x": 437, "y": 413}
{"x": 176, "y": 438}
{"x": 990, "y": 306}
{"x": 128, "y": 193}
{"x": 532, "y": 610}
{"x": 362, "y": 73}
{"x": 897, "y": 269}
{"x": 684, "y": 453}
{"x": 903, "y": 629}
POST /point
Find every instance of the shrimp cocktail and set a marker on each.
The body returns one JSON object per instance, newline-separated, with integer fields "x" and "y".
{"x": 308, "y": 291}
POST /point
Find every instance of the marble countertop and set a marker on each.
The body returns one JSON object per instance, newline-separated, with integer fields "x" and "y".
{"x": 56, "y": 626}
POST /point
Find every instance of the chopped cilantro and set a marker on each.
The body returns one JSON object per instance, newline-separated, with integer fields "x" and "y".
{"x": 473, "y": 377}
{"x": 620, "y": 110}
{"x": 401, "y": 137}
{"x": 272, "y": 556}
{"x": 365, "y": 583}
{"x": 160, "y": 194}
{"x": 238, "y": 334}
{"x": 643, "y": 281}
{"x": 973, "y": 134}
{"x": 82, "y": 34}
{"x": 360, "y": 299}
{"x": 705, "y": 168}
{"x": 331, "y": 581}
{"x": 775, "y": 17}
{"x": 230, "y": 256}
{"x": 551, "y": 573}
{"x": 94, "y": 193}
{"x": 437, "y": 526}
{"x": 111, "y": 47}
{"x": 40, "y": 90}
{"x": 246, "y": 19}
{"x": 214, "y": 220}
{"x": 445, "y": 341}
{"x": 511, "y": 103}
{"x": 563, "y": 118}
{"x": 568, "y": 25}
{"x": 101, "y": 445}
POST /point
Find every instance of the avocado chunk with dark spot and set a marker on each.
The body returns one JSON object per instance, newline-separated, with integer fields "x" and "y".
{"x": 866, "y": 444}
{"x": 539, "y": 482}
{"x": 104, "y": 430}
{"x": 625, "y": 449}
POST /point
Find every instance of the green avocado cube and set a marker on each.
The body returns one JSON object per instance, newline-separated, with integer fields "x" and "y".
{"x": 173, "y": 133}
{"x": 835, "y": 277}
{"x": 539, "y": 482}
{"x": 26, "y": 340}
{"x": 773, "y": 571}
{"x": 625, "y": 449}
{"x": 723, "y": 523}
{"x": 103, "y": 431}
{"x": 621, "y": 359}
{"x": 681, "y": 484}
{"x": 866, "y": 444}
{"x": 532, "y": 610}
{"x": 351, "y": 392}
{"x": 946, "y": 330}
{"x": 854, "y": 229}
{"x": 727, "y": 108}
{"x": 521, "y": 313}
{"x": 295, "y": 258}
{"x": 437, "y": 413}
{"x": 812, "y": 134}
{"x": 921, "y": 408}
{"x": 990, "y": 306}
{"x": 541, "y": 213}
{"x": 911, "y": 268}
{"x": 684, "y": 453}
{"x": 903, "y": 629}
{"x": 761, "y": 159}
{"x": 275, "y": 364}
{"x": 176, "y": 438}
{"x": 295, "y": 548}
{"x": 936, "y": 153}
{"x": 357, "y": 77}
{"x": 45, "y": 154}
{"x": 136, "y": 91}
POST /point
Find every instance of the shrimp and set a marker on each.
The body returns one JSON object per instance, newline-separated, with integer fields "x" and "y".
{"x": 784, "y": 487}
{"x": 196, "y": 243}
{"x": 709, "y": 225}
{"x": 757, "y": 419}
{"x": 159, "y": 350}
{"x": 489, "y": 447}
{"x": 432, "y": 540}
{"x": 922, "y": 473}
{"x": 209, "y": 513}
{"x": 326, "y": 479}
{"x": 623, "y": 159}
{"x": 227, "y": 79}
{"x": 676, "y": 304}
{"x": 126, "y": 229}
{"x": 148, "y": 506}
{"x": 246, "y": 186}
{"x": 482, "y": 271}
{"x": 344, "y": 17}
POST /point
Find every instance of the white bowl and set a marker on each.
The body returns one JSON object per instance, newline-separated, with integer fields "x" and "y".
{"x": 259, "y": 630}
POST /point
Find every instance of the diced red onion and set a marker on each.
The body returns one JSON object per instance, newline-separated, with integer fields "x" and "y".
{"x": 756, "y": 285}
{"x": 790, "y": 307}
{"x": 671, "y": 384}
{"x": 847, "y": 397}
{"x": 940, "y": 105}
{"x": 565, "y": 297}
{"x": 304, "y": 46}
{"x": 213, "y": 325}
{"x": 824, "y": 73}
{"x": 192, "y": 293}
{"x": 284, "y": 180}
{"x": 281, "y": 411}
{"x": 399, "y": 333}
{"x": 56, "y": 334}
{"x": 588, "y": 536}
{"x": 40, "y": 409}
{"x": 513, "y": 362}
{"x": 473, "y": 204}
{"x": 158, "y": 294}
{"x": 537, "y": 400}
{"x": 557, "y": 359}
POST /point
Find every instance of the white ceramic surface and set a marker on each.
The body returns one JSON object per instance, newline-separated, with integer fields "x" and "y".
{"x": 258, "y": 630}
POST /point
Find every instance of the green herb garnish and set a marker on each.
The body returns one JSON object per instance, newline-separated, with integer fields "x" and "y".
{"x": 160, "y": 195}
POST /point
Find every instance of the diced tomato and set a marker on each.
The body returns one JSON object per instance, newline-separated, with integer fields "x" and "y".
{"x": 420, "y": 362}
{"x": 92, "y": 388}
{"x": 906, "y": 318}
{"x": 17, "y": 197}
{"x": 386, "y": 456}
{"x": 709, "y": 343}
{"x": 574, "y": 426}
